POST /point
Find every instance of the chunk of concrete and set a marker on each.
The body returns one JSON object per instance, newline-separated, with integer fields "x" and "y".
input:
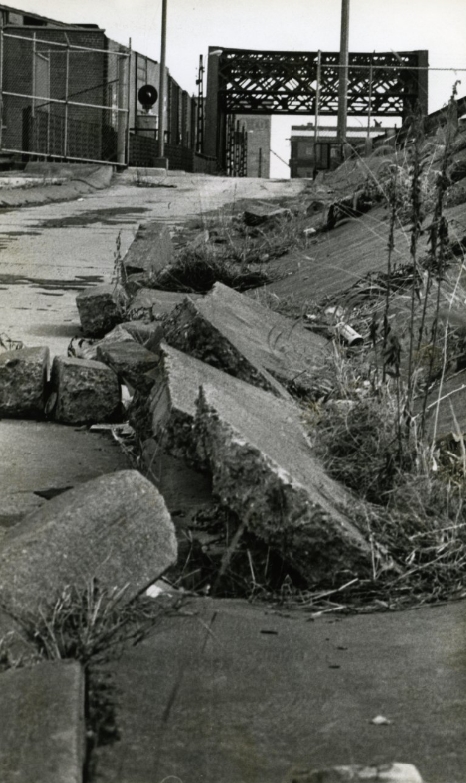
{"x": 23, "y": 375}
{"x": 42, "y": 731}
{"x": 156, "y": 304}
{"x": 172, "y": 402}
{"x": 115, "y": 528}
{"x": 151, "y": 250}
{"x": 264, "y": 470}
{"x": 100, "y": 308}
{"x": 263, "y": 212}
{"x": 16, "y": 505}
{"x": 238, "y": 335}
{"x": 130, "y": 361}
{"x": 86, "y": 391}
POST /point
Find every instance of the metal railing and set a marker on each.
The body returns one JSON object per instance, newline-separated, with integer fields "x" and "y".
{"x": 62, "y": 100}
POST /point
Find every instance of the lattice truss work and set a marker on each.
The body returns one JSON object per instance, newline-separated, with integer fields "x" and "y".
{"x": 255, "y": 82}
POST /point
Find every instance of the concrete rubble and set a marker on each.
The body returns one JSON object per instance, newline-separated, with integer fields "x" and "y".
{"x": 100, "y": 308}
{"x": 115, "y": 528}
{"x": 130, "y": 361}
{"x": 151, "y": 251}
{"x": 42, "y": 728}
{"x": 23, "y": 375}
{"x": 263, "y": 469}
{"x": 261, "y": 463}
{"x": 84, "y": 391}
{"x": 259, "y": 212}
{"x": 235, "y": 333}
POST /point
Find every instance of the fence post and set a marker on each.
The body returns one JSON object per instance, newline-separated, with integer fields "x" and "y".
{"x": 67, "y": 88}
{"x": 2, "y": 44}
{"x": 128, "y": 101}
{"x": 122, "y": 94}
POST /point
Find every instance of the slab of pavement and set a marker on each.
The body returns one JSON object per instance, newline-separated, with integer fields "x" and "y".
{"x": 238, "y": 693}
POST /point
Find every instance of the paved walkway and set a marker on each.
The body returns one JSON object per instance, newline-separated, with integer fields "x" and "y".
{"x": 49, "y": 253}
{"x": 231, "y": 693}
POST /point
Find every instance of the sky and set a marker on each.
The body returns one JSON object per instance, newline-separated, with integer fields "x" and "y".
{"x": 301, "y": 25}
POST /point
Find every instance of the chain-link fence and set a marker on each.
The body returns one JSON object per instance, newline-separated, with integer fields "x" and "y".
{"x": 64, "y": 95}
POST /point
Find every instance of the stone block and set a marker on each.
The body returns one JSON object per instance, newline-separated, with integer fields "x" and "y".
{"x": 263, "y": 212}
{"x": 42, "y": 729}
{"x": 130, "y": 361}
{"x": 16, "y": 505}
{"x": 23, "y": 375}
{"x": 100, "y": 309}
{"x": 238, "y": 335}
{"x": 263, "y": 468}
{"x": 115, "y": 528}
{"x": 86, "y": 391}
{"x": 151, "y": 251}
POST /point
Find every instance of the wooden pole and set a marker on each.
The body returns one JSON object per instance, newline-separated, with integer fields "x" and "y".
{"x": 343, "y": 77}
{"x": 163, "y": 41}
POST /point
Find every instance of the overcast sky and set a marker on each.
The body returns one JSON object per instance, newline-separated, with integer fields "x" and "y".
{"x": 303, "y": 25}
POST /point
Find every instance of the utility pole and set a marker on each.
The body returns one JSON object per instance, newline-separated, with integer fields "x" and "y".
{"x": 163, "y": 41}
{"x": 343, "y": 78}
{"x": 316, "y": 110}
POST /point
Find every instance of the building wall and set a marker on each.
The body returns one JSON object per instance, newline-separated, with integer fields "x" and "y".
{"x": 259, "y": 130}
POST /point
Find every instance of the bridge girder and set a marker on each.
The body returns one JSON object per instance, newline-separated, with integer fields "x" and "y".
{"x": 243, "y": 81}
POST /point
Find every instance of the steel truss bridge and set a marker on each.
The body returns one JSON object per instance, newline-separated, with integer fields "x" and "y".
{"x": 242, "y": 81}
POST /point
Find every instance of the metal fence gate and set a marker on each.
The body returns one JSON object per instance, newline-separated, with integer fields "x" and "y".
{"x": 62, "y": 99}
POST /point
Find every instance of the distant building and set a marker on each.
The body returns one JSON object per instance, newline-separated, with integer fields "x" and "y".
{"x": 258, "y": 130}
{"x": 307, "y": 156}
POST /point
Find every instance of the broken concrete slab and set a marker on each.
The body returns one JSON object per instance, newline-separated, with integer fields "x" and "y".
{"x": 131, "y": 361}
{"x": 151, "y": 250}
{"x": 42, "y": 734}
{"x": 262, "y": 212}
{"x": 16, "y": 505}
{"x": 238, "y": 335}
{"x": 264, "y": 470}
{"x": 23, "y": 375}
{"x": 115, "y": 529}
{"x": 156, "y": 304}
{"x": 172, "y": 402}
{"x": 85, "y": 391}
{"x": 100, "y": 308}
